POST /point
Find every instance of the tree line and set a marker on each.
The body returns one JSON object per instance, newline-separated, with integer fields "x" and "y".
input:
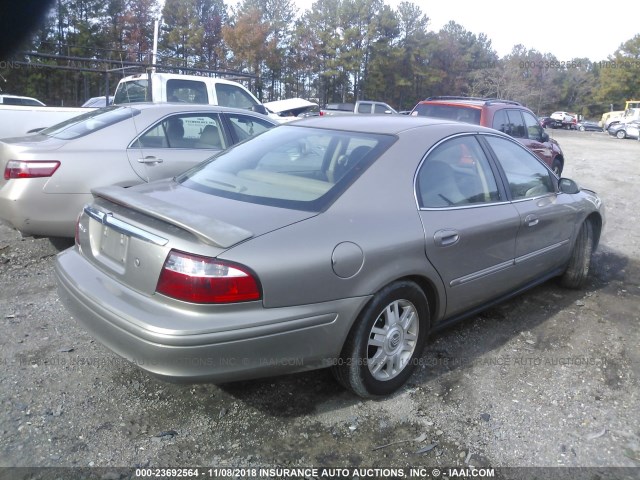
{"x": 336, "y": 51}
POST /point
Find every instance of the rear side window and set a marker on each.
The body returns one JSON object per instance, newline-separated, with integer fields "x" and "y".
{"x": 234, "y": 96}
{"x": 89, "y": 122}
{"x": 458, "y": 113}
{"x": 187, "y": 91}
{"x": 289, "y": 167}
{"x": 184, "y": 131}
{"x": 456, "y": 173}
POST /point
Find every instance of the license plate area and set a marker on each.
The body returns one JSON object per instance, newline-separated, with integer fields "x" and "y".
{"x": 114, "y": 245}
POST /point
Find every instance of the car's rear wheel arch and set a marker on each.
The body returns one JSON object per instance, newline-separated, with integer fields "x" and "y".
{"x": 407, "y": 297}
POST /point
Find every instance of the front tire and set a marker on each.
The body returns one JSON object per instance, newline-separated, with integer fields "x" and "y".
{"x": 621, "y": 134}
{"x": 575, "y": 276}
{"x": 382, "y": 349}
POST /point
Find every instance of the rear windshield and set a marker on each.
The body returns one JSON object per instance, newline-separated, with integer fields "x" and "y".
{"x": 133, "y": 91}
{"x": 458, "y": 113}
{"x": 290, "y": 167}
{"x": 89, "y": 122}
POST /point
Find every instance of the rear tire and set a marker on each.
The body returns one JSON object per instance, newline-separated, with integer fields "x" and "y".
{"x": 575, "y": 276}
{"x": 621, "y": 134}
{"x": 385, "y": 342}
{"x": 556, "y": 166}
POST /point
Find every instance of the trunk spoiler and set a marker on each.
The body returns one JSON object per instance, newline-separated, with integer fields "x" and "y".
{"x": 208, "y": 230}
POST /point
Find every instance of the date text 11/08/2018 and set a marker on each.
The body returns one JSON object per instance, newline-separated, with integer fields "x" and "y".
{"x": 312, "y": 472}
{"x": 584, "y": 64}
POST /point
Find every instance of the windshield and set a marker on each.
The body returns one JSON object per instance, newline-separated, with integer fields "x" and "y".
{"x": 89, "y": 122}
{"x": 458, "y": 113}
{"x": 288, "y": 166}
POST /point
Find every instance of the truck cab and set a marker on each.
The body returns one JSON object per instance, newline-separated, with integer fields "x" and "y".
{"x": 169, "y": 87}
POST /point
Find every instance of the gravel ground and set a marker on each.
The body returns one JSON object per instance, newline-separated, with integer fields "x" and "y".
{"x": 549, "y": 379}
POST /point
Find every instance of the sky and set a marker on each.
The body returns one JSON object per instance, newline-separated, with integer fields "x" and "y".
{"x": 566, "y": 29}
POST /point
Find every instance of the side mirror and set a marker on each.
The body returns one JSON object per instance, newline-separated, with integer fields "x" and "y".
{"x": 545, "y": 137}
{"x": 567, "y": 185}
{"x": 260, "y": 109}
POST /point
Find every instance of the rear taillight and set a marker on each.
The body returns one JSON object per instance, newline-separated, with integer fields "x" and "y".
{"x": 30, "y": 169}
{"x": 197, "y": 279}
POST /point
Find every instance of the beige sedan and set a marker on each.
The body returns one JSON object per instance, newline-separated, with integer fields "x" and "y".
{"x": 48, "y": 177}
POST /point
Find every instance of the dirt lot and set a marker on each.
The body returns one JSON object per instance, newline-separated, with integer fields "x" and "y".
{"x": 549, "y": 379}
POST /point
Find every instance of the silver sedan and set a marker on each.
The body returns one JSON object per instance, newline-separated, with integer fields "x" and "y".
{"x": 48, "y": 177}
{"x": 331, "y": 242}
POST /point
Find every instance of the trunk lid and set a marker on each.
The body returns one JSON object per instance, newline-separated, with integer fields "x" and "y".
{"x": 129, "y": 233}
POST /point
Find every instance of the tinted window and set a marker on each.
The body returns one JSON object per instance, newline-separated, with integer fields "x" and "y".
{"x": 364, "y": 107}
{"x": 534, "y": 130}
{"x": 449, "y": 112}
{"x": 527, "y": 176}
{"x": 516, "y": 124}
{"x": 456, "y": 173}
{"x": 233, "y": 96}
{"x": 89, "y": 122}
{"x": 501, "y": 122}
{"x": 187, "y": 91}
{"x": 290, "y": 167}
{"x": 184, "y": 131}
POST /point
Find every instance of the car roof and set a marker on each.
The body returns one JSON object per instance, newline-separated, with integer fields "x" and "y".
{"x": 472, "y": 101}
{"x": 385, "y": 124}
{"x": 186, "y": 107}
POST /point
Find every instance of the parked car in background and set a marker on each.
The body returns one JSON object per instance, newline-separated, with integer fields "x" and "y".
{"x": 509, "y": 117}
{"x": 549, "y": 122}
{"x": 18, "y": 100}
{"x": 98, "y": 102}
{"x": 568, "y": 120}
{"x": 588, "y": 126}
{"x": 292, "y": 108}
{"x": 48, "y": 176}
{"x": 312, "y": 246}
{"x": 361, "y": 107}
{"x": 625, "y": 130}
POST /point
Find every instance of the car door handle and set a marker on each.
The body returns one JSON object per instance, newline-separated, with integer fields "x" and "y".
{"x": 150, "y": 160}
{"x": 446, "y": 238}
{"x": 531, "y": 220}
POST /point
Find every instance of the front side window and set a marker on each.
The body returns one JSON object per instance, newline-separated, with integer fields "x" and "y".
{"x": 534, "y": 130}
{"x": 456, "y": 173}
{"x": 184, "y": 131}
{"x": 527, "y": 176}
{"x": 247, "y": 126}
{"x": 290, "y": 167}
{"x": 234, "y": 96}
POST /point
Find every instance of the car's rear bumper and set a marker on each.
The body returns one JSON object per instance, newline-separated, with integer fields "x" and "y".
{"x": 25, "y": 207}
{"x": 263, "y": 342}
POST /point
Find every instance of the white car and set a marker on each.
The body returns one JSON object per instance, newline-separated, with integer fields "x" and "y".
{"x": 564, "y": 117}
